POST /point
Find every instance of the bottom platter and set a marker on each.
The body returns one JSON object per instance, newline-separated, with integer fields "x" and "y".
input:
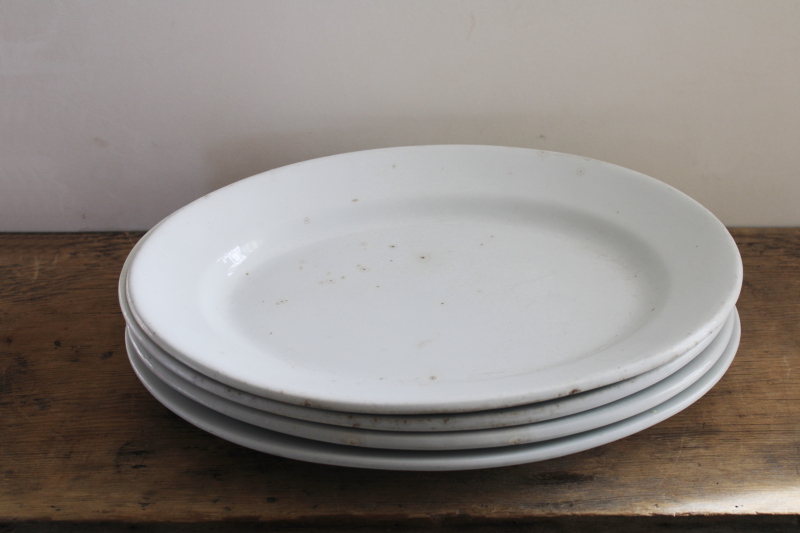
{"x": 288, "y": 446}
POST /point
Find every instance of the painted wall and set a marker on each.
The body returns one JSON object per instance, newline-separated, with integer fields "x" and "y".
{"x": 114, "y": 114}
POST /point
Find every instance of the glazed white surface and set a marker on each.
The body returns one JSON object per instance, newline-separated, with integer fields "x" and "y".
{"x": 314, "y": 451}
{"x": 434, "y": 279}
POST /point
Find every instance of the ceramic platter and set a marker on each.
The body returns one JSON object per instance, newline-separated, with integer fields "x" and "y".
{"x": 454, "y": 440}
{"x": 285, "y": 445}
{"x": 436, "y": 279}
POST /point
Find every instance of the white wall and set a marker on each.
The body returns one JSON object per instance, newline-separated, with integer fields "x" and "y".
{"x": 115, "y": 113}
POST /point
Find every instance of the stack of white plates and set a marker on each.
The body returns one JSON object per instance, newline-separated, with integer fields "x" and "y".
{"x": 434, "y": 307}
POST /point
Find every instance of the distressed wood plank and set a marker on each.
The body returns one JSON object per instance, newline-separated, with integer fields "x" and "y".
{"x": 83, "y": 441}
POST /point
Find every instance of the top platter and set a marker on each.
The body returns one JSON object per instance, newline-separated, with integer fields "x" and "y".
{"x": 434, "y": 279}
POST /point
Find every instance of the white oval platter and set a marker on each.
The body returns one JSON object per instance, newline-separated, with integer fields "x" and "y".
{"x": 288, "y": 446}
{"x": 434, "y": 279}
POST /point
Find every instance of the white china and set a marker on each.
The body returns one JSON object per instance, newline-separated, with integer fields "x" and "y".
{"x": 519, "y": 415}
{"x": 284, "y": 445}
{"x": 424, "y": 280}
{"x": 454, "y": 440}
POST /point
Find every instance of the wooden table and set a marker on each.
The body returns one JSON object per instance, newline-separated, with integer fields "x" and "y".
{"x": 84, "y": 447}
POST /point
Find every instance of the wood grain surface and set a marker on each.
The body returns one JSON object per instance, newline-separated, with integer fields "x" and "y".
{"x": 84, "y": 443}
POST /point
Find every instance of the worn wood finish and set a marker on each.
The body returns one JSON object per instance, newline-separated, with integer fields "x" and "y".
{"x": 82, "y": 440}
